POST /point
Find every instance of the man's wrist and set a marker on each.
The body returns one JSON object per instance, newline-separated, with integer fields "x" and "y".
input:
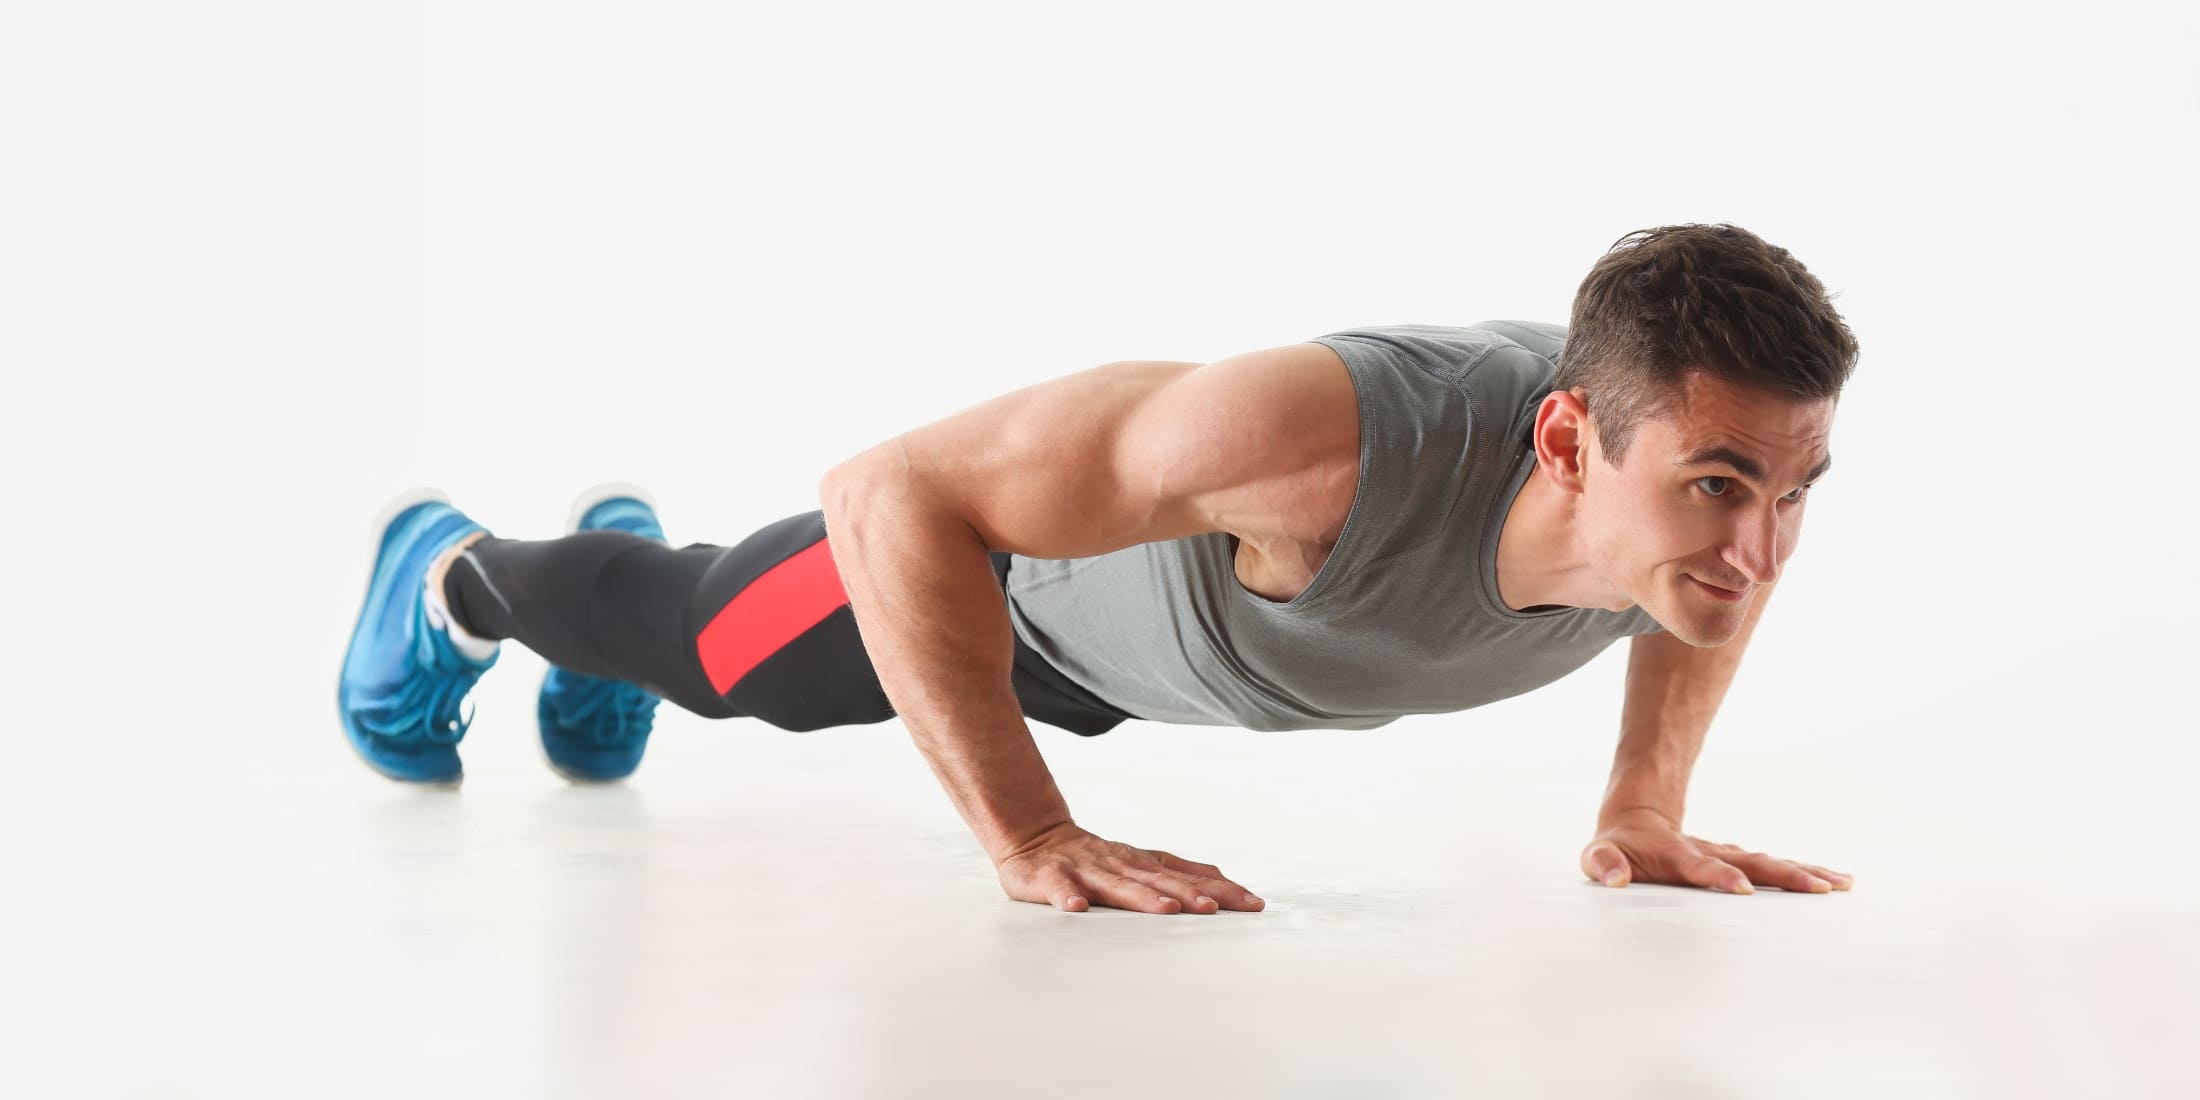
{"x": 1638, "y": 794}
{"x": 1010, "y": 824}
{"x": 1030, "y": 839}
{"x": 1645, "y": 789}
{"x": 1617, "y": 813}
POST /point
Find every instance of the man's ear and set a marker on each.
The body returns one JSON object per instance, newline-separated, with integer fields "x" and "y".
{"x": 1563, "y": 434}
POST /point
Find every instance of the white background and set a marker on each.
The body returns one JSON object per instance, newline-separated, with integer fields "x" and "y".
{"x": 264, "y": 265}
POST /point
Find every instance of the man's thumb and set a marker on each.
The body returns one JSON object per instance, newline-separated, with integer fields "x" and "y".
{"x": 1604, "y": 862}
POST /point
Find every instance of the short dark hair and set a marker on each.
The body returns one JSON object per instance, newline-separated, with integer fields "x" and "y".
{"x": 1664, "y": 302}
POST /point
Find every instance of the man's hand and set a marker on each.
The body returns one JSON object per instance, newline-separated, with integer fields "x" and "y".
{"x": 1646, "y": 846}
{"x": 1071, "y": 869}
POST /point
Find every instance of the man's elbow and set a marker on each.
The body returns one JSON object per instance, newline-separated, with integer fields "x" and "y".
{"x": 844, "y": 481}
{"x": 832, "y": 487}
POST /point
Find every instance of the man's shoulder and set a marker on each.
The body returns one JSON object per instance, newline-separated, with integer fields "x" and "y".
{"x": 1455, "y": 352}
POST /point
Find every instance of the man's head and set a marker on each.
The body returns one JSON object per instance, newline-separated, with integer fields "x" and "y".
{"x": 1694, "y": 399}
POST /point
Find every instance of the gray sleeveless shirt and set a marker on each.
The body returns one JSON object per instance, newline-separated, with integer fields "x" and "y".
{"x": 1403, "y": 617}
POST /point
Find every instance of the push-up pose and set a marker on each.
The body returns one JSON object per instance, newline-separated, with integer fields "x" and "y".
{"x": 1400, "y": 519}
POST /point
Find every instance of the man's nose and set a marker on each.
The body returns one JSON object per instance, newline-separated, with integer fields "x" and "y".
{"x": 1756, "y": 550}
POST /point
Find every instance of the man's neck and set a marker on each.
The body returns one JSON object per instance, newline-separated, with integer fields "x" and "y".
{"x": 1540, "y": 560}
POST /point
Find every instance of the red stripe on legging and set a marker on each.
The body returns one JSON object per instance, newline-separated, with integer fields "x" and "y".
{"x": 771, "y": 611}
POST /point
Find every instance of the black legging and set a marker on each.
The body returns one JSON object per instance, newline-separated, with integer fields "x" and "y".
{"x": 761, "y": 629}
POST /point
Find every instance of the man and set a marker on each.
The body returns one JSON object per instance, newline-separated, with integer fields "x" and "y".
{"x": 1393, "y": 520}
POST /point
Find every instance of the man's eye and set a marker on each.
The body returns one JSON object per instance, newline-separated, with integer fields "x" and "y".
{"x": 1795, "y": 497}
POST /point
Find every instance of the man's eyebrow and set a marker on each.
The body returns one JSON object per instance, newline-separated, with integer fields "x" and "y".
{"x": 1745, "y": 465}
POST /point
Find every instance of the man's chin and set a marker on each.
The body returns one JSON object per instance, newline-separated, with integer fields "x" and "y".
{"x": 1698, "y": 633}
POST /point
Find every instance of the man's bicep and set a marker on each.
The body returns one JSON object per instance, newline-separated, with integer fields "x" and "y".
{"x": 1259, "y": 444}
{"x": 1133, "y": 452}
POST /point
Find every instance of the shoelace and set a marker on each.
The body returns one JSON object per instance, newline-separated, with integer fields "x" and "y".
{"x": 606, "y": 712}
{"x": 426, "y": 703}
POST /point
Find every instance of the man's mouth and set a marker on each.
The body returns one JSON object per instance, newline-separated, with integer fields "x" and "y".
{"x": 1728, "y": 594}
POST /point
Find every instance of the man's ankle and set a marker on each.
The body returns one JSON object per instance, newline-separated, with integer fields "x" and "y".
{"x": 441, "y": 566}
{"x": 469, "y": 644}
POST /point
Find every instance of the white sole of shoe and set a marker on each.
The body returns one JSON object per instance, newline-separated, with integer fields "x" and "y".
{"x": 597, "y": 494}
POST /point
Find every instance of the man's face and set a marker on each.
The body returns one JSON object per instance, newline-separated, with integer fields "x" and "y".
{"x": 1674, "y": 518}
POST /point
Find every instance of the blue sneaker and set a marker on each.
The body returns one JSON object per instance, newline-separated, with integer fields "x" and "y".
{"x": 594, "y": 729}
{"x": 403, "y": 680}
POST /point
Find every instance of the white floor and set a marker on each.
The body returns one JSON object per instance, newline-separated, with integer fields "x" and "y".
{"x": 760, "y": 913}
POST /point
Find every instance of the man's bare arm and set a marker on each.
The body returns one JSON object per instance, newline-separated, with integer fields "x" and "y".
{"x": 1673, "y": 693}
{"x": 1079, "y": 466}
{"x": 932, "y": 619}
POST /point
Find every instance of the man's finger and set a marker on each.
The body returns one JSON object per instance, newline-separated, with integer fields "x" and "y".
{"x": 1060, "y": 891}
{"x": 1604, "y": 863}
{"x": 1125, "y": 892}
{"x": 1191, "y": 895}
{"x": 1717, "y": 874}
{"x": 1227, "y": 894}
{"x": 1180, "y": 864}
{"x": 1210, "y": 881}
{"x": 1233, "y": 896}
{"x": 1142, "y": 866}
{"x": 1767, "y": 870}
{"x": 1839, "y": 880}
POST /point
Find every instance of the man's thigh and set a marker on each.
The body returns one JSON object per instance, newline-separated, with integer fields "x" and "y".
{"x": 774, "y": 635}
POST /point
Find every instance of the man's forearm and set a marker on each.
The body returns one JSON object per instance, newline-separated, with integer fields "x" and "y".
{"x": 1659, "y": 742}
{"x": 928, "y": 606}
{"x": 1673, "y": 692}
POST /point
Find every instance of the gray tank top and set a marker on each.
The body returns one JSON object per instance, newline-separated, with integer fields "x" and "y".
{"x": 1403, "y": 617}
